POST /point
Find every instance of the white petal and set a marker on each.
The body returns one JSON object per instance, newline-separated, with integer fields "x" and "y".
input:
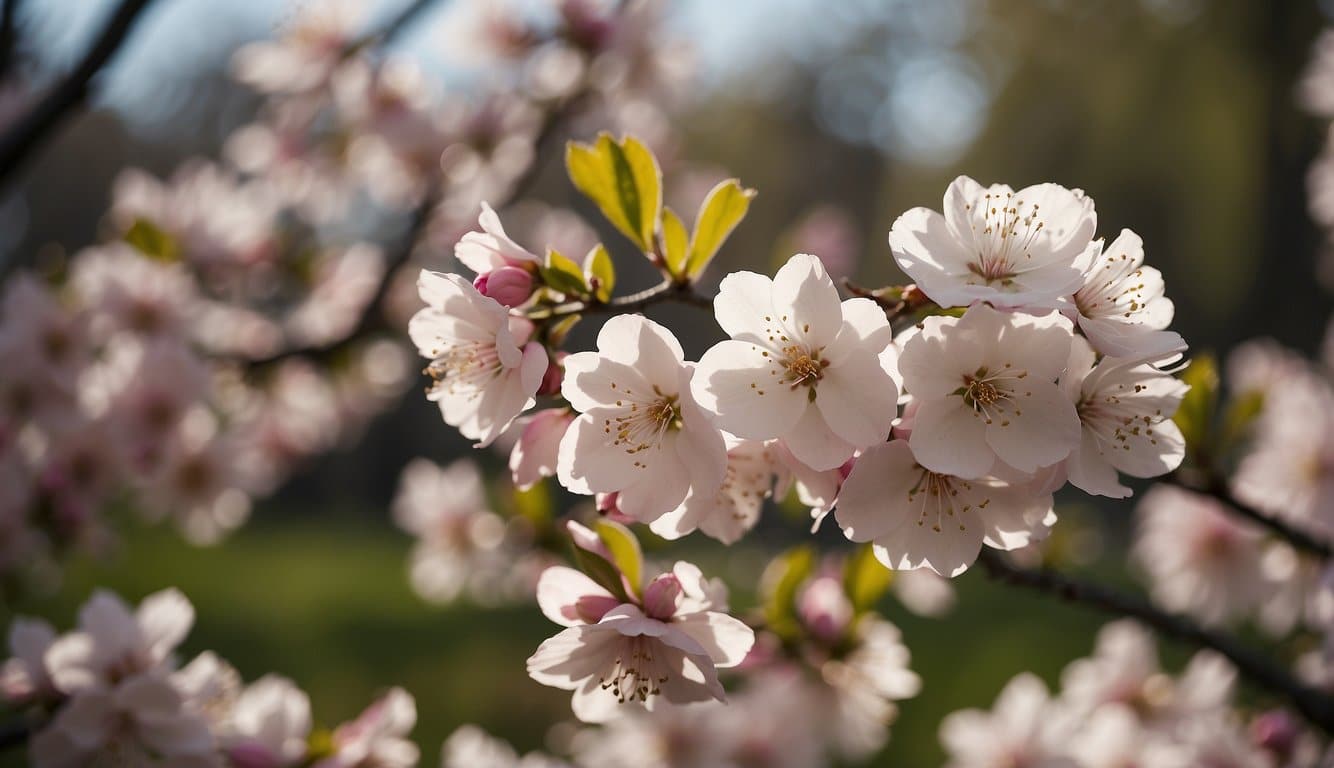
{"x": 559, "y": 589}
{"x": 806, "y": 301}
{"x": 742, "y": 304}
{"x": 859, "y": 398}
{"x": 948, "y": 437}
{"x": 165, "y": 618}
{"x": 740, "y": 384}
{"x": 1042, "y": 430}
{"x": 815, "y": 444}
{"x": 873, "y": 501}
{"x": 588, "y": 462}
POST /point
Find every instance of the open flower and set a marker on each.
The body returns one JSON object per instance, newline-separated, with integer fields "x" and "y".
{"x": 377, "y": 738}
{"x": 491, "y": 249}
{"x": 640, "y": 433}
{"x": 986, "y": 392}
{"x": 800, "y": 366}
{"x": 269, "y": 725}
{"x": 668, "y": 645}
{"x": 920, "y": 518}
{"x": 1024, "y": 727}
{"x": 1013, "y": 249}
{"x": 727, "y": 513}
{"x": 113, "y": 644}
{"x": 485, "y": 374}
{"x": 1121, "y": 307}
{"x": 1125, "y": 411}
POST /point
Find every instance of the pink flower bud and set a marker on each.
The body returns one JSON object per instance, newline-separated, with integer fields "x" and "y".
{"x": 609, "y": 506}
{"x": 1276, "y": 731}
{"x": 825, "y": 609}
{"x": 510, "y": 286}
{"x": 660, "y": 597}
{"x": 551, "y": 380}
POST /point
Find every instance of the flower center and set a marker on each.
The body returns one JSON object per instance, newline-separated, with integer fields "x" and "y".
{"x": 641, "y": 424}
{"x": 990, "y": 393}
{"x": 464, "y": 367}
{"x": 634, "y": 675}
{"x": 936, "y": 496}
{"x": 1008, "y": 232}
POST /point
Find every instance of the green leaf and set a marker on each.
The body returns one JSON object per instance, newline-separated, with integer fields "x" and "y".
{"x": 599, "y": 570}
{"x": 601, "y": 273}
{"x": 675, "y": 242}
{"x": 1240, "y": 414}
{"x": 561, "y": 274}
{"x": 782, "y": 578}
{"x": 535, "y": 504}
{"x": 624, "y": 180}
{"x": 152, "y": 241}
{"x": 1195, "y": 416}
{"x": 865, "y": 579}
{"x": 625, "y": 551}
{"x": 558, "y": 330}
{"x": 721, "y": 211}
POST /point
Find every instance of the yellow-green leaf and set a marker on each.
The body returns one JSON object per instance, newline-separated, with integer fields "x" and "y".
{"x": 719, "y": 214}
{"x": 152, "y": 241}
{"x": 625, "y": 551}
{"x": 624, "y": 180}
{"x": 675, "y": 243}
{"x": 601, "y": 273}
{"x": 535, "y": 504}
{"x": 1195, "y": 416}
{"x": 560, "y": 273}
{"x": 782, "y": 578}
{"x": 601, "y": 571}
{"x": 865, "y": 579}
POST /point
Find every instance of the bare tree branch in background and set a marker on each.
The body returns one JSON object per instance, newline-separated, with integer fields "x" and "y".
{"x": 39, "y": 124}
{"x": 1315, "y": 705}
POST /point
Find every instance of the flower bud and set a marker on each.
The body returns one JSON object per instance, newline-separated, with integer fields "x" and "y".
{"x": 660, "y": 597}
{"x": 825, "y": 609}
{"x": 551, "y": 380}
{"x": 510, "y": 286}
{"x": 591, "y": 608}
{"x": 1276, "y": 731}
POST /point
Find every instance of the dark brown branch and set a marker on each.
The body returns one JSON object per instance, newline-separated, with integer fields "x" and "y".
{"x": 36, "y": 127}
{"x": 391, "y": 29}
{"x": 1217, "y": 489}
{"x": 9, "y": 37}
{"x": 1316, "y": 706}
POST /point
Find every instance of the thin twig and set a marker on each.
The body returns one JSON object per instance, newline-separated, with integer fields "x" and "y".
{"x": 1316, "y": 706}
{"x": 391, "y": 29}
{"x": 37, "y": 126}
{"x": 1217, "y": 489}
{"x": 662, "y": 293}
{"x": 8, "y": 37}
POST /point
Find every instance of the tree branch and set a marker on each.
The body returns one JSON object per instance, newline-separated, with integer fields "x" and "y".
{"x": 8, "y": 37}
{"x": 391, "y": 29}
{"x": 1217, "y": 489}
{"x": 662, "y": 293}
{"x": 1315, "y": 705}
{"x": 37, "y": 126}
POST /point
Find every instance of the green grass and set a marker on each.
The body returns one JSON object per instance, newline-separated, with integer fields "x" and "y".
{"x": 328, "y": 605}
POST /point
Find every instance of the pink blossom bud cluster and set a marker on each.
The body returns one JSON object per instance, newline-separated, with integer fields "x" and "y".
{"x": 113, "y": 689}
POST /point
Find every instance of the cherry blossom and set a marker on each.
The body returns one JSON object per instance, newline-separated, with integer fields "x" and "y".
{"x": 800, "y": 366}
{"x": 1024, "y": 727}
{"x": 726, "y": 514}
{"x": 269, "y": 724}
{"x": 985, "y": 386}
{"x": 377, "y": 738}
{"x": 670, "y": 645}
{"x": 24, "y": 676}
{"x": 537, "y": 451}
{"x": 486, "y": 371}
{"x": 1013, "y": 249}
{"x": 1125, "y": 410}
{"x": 918, "y": 518}
{"x": 491, "y": 249}
{"x": 114, "y": 643}
{"x": 640, "y": 433}
{"x": 1121, "y": 307}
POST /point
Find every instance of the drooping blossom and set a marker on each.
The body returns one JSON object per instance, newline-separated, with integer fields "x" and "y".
{"x": 667, "y": 646}
{"x": 985, "y": 386}
{"x": 640, "y": 433}
{"x": 800, "y": 365}
{"x": 1028, "y": 248}
{"x": 537, "y": 451}
{"x": 919, "y": 518}
{"x": 485, "y": 369}
{"x": 1125, "y": 412}
{"x": 1121, "y": 307}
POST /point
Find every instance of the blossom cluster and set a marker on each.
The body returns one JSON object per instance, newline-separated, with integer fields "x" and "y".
{"x": 1037, "y": 361}
{"x": 1118, "y": 707}
{"x": 233, "y": 324}
{"x": 113, "y": 690}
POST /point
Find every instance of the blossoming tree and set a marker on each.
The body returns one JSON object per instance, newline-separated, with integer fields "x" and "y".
{"x": 197, "y": 356}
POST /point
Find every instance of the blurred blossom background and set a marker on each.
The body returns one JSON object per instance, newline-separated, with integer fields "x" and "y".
{"x": 1180, "y": 117}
